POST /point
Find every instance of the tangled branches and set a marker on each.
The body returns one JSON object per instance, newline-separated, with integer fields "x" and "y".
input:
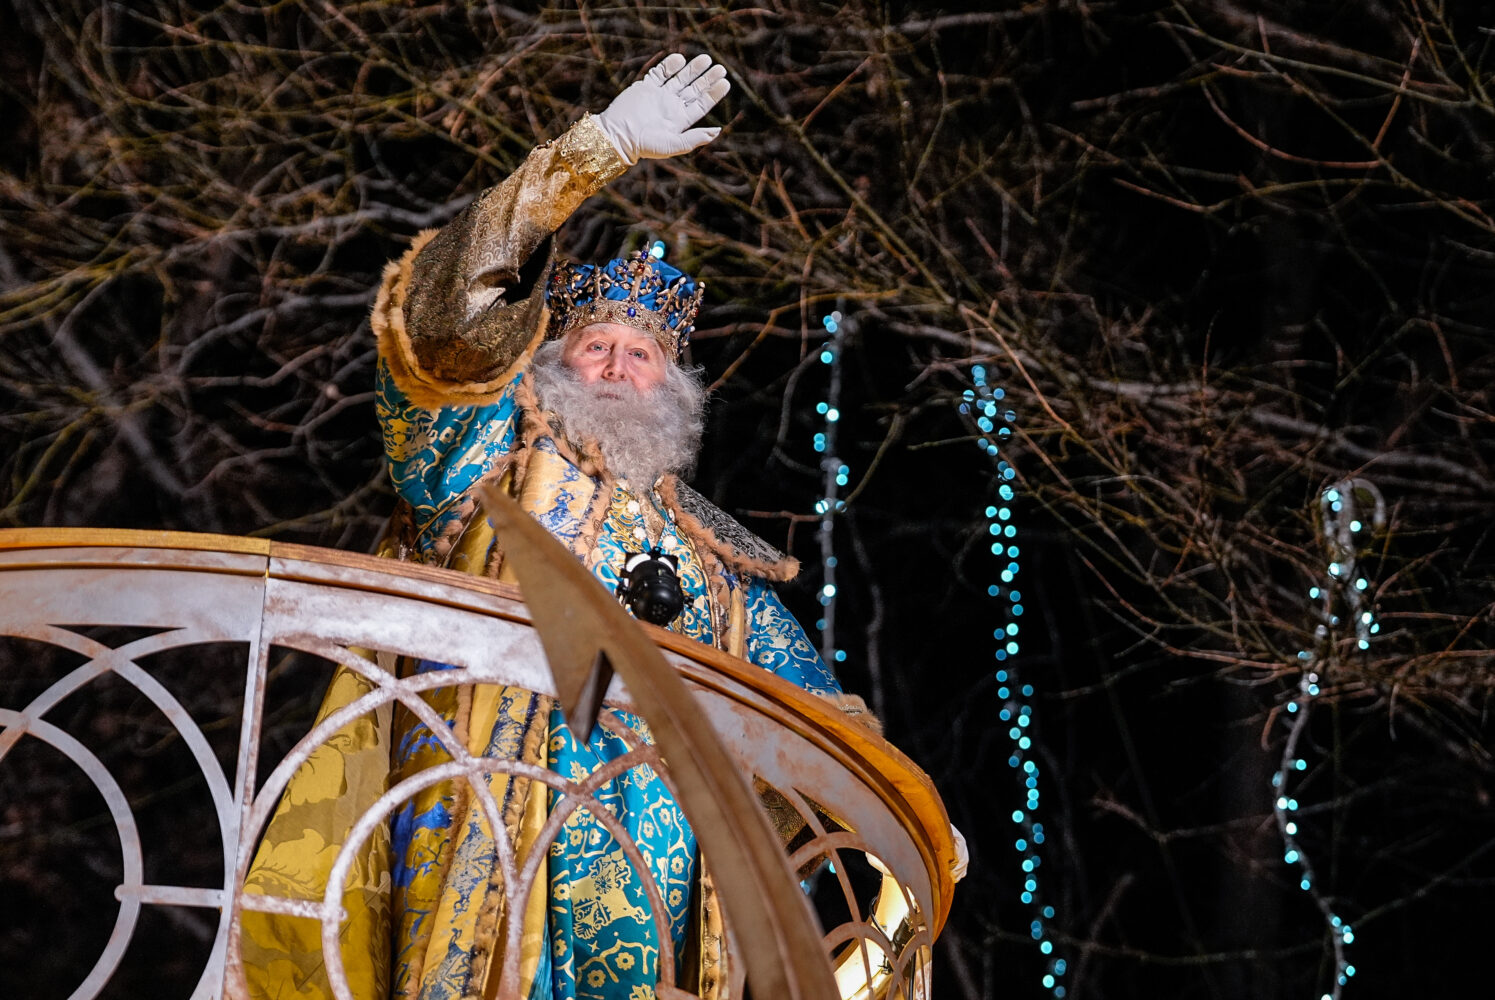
{"x": 1224, "y": 257}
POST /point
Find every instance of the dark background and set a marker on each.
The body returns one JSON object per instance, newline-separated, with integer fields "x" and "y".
{"x": 1218, "y": 258}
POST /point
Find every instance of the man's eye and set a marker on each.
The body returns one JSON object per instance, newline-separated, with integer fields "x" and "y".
{"x": 642, "y": 355}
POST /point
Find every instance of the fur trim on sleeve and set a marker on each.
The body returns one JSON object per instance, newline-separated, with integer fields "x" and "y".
{"x": 419, "y": 386}
{"x": 856, "y": 709}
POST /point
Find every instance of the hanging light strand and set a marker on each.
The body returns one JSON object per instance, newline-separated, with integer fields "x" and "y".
{"x": 983, "y": 405}
{"x": 835, "y": 475}
{"x": 1343, "y": 530}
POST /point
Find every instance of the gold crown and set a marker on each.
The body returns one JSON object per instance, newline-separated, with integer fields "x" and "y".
{"x": 639, "y": 290}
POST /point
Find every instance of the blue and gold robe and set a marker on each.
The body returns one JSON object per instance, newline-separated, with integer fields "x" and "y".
{"x": 457, "y": 318}
{"x": 600, "y": 938}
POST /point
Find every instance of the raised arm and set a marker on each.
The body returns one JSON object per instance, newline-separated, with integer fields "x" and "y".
{"x": 457, "y": 314}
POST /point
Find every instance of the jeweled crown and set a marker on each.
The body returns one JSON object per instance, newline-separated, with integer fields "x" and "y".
{"x": 639, "y": 290}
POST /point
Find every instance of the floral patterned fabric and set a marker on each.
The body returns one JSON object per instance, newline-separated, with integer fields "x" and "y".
{"x": 603, "y": 941}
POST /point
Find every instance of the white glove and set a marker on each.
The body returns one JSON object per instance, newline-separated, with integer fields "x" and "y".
{"x": 962, "y": 856}
{"x": 652, "y": 119}
{"x": 958, "y": 864}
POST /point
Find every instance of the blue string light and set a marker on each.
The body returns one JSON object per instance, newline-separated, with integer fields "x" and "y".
{"x": 836, "y": 475}
{"x": 984, "y": 405}
{"x": 1343, "y": 530}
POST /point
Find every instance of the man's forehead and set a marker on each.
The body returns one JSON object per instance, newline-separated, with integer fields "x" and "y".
{"x": 613, "y": 330}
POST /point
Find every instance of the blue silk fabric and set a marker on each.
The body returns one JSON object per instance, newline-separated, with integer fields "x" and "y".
{"x": 602, "y": 939}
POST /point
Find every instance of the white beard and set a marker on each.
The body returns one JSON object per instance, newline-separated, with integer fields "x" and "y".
{"x": 642, "y": 434}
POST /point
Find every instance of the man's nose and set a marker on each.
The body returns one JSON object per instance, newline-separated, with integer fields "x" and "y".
{"x": 613, "y": 369}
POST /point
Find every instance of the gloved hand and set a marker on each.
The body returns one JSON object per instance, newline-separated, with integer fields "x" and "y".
{"x": 958, "y": 865}
{"x": 962, "y": 856}
{"x": 652, "y": 119}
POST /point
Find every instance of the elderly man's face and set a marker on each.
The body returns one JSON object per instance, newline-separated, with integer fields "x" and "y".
{"x": 610, "y": 353}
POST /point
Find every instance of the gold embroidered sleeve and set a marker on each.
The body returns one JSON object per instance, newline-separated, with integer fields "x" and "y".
{"x": 456, "y": 315}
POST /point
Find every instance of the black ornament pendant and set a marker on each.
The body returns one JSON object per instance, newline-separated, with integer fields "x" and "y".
{"x": 650, "y": 587}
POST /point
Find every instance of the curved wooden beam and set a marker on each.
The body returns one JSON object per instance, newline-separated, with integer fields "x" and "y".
{"x": 580, "y": 626}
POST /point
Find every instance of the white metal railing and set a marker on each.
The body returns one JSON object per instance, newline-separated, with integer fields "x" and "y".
{"x": 202, "y": 590}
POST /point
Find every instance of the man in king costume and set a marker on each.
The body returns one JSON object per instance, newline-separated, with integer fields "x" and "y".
{"x": 562, "y": 385}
